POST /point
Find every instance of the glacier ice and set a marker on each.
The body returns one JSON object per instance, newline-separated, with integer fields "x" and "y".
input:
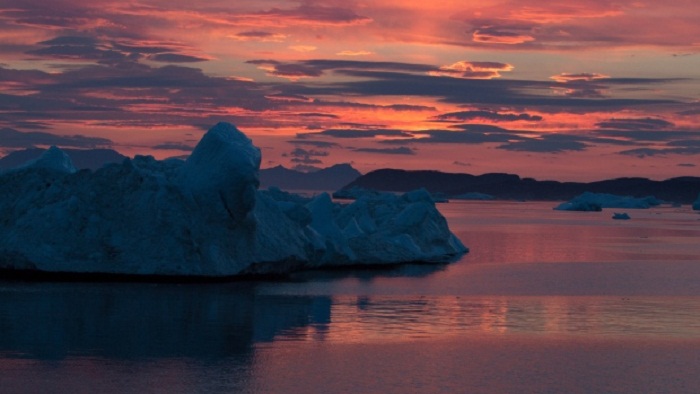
{"x": 597, "y": 201}
{"x": 202, "y": 217}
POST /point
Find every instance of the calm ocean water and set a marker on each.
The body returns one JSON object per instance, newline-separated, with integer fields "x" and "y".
{"x": 545, "y": 302}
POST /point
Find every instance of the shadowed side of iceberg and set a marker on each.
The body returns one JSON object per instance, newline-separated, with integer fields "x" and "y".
{"x": 203, "y": 217}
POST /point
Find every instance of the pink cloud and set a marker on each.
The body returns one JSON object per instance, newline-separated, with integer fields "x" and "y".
{"x": 473, "y": 70}
{"x": 257, "y": 35}
{"x": 354, "y": 53}
{"x": 490, "y": 35}
{"x": 567, "y": 77}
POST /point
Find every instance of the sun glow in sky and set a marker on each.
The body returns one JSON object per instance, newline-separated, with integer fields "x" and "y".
{"x": 570, "y": 91}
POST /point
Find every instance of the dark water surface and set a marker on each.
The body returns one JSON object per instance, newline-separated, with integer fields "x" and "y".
{"x": 545, "y": 302}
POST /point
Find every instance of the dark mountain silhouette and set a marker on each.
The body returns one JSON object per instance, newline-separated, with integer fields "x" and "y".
{"x": 92, "y": 159}
{"x": 331, "y": 178}
{"x": 512, "y": 187}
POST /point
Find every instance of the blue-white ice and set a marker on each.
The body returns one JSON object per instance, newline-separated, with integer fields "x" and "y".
{"x": 204, "y": 216}
{"x": 596, "y": 201}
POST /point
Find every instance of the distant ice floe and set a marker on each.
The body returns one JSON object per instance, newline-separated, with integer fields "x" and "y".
{"x": 597, "y": 201}
{"x": 202, "y": 217}
{"x": 356, "y": 192}
{"x": 620, "y": 216}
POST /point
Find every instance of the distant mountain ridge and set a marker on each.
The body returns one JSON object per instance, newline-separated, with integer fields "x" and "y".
{"x": 512, "y": 187}
{"x": 329, "y": 179}
{"x": 92, "y": 159}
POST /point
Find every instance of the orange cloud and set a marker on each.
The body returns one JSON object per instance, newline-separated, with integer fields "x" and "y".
{"x": 567, "y": 77}
{"x": 472, "y": 70}
{"x": 257, "y": 35}
{"x": 354, "y": 53}
{"x": 290, "y": 71}
{"x": 303, "y": 48}
{"x": 316, "y": 15}
{"x": 558, "y": 14}
{"x": 291, "y": 98}
{"x": 194, "y": 16}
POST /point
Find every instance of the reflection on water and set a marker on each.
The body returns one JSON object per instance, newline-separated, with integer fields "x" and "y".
{"x": 142, "y": 321}
{"x": 366, "y": 319}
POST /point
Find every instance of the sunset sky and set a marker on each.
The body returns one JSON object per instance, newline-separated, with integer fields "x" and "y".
{"x": 581, "y": 90}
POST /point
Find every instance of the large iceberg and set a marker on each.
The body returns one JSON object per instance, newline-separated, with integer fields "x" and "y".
{"x": 202, "y": 217}
{"x": 597, "y": 201}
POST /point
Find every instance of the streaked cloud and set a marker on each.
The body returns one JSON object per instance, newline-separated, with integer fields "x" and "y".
{"x": 473, "y": 70}
{"x": 305, "y": 159}
{"x": 309, "y": 14}
{"x": 259, "y": 35}
{"x": 303, "y": 48}
{"x": 501, "y": 35}
{"x": 317, "y": 115}
{"x": 356, "y": 133}
{"x": 176, "y": 58}
{"x": 493, "y": 116}
{"x": 568, "y": 77}
{"x": 387, "y": 151}
{"x": 173, "y": 146}
{"x": 648, "y": 152}
{"x": 317, "y": 144}
{"x": 635, "y": 124}
{"x": 547, "y": 143}
{"x": 300, "y": 152}
{"x": 10, "y": 138}
{"x": 81, "y": 48}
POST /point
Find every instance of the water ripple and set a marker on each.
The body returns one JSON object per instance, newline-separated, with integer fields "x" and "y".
{"x": 386, "y": 318}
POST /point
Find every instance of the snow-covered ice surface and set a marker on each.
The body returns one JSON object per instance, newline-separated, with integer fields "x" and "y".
{"x": 596, "y": 201}
{"x": 202, "y": 217}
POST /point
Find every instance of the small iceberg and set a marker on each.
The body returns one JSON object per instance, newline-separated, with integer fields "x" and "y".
{"x": 621, "y": 216}
{"x": 597, "y": 201}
